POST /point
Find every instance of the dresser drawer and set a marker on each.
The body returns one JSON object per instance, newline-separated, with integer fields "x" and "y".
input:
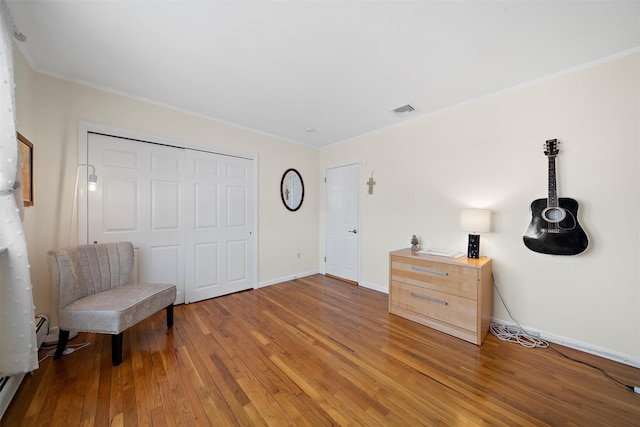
{"x": 451, "y": 309}
{"x": 449, "y": 279}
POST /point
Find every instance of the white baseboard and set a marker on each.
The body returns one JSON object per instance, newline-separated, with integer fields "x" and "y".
{"x": 8, "y": 388}
{"x": 547, "y": 336}
{"x": 553, "y": 338}
{"x": 286, "y": 278}
{"x": 578, "y": 345}
{"x": 384, "y": 289}
{"x": 9, "y": 385}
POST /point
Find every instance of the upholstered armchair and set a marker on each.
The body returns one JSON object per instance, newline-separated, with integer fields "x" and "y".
{"x": 93, "y": 293}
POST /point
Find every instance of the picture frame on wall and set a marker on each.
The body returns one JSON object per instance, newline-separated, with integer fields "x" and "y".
{"x": 26, "y": 156}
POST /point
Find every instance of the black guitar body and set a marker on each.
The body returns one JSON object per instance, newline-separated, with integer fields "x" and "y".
{"x": 563, "y": 238}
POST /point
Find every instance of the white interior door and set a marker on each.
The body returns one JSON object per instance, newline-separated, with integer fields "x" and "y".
{"x": 342, "y": 213}
{"x": 139, "y": 199}
{"x": 219, "y": 227}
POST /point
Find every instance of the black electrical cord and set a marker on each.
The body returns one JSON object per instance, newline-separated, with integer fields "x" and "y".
{"x": 528, "y": 340}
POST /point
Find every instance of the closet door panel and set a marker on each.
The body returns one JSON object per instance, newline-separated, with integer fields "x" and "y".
{"x": 139, "y": 199}
{"x": 219, "y": 235}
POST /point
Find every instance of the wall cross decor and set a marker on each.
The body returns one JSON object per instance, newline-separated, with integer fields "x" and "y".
{"x": 371, "y": 183}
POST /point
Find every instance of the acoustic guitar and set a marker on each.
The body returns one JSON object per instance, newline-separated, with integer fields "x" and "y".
{"x": 554, "y": 228}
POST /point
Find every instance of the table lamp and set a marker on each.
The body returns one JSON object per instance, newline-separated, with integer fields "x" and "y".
{"x": 475, "y": 221}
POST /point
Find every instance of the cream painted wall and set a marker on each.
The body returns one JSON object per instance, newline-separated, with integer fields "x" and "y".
{"x": 488, "y": 154}
{"x": 48, "y": 113}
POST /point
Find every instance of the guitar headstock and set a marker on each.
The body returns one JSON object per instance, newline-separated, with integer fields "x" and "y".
{"x": 551, "y": 147}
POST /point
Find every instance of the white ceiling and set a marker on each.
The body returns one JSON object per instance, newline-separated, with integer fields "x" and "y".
{"x": 337, "y": 67}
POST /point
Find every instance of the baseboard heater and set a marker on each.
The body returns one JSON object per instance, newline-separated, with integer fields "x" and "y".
{"x": 9, "y": 385}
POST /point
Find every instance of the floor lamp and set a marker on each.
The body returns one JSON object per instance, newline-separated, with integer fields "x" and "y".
{"x": 92, "y": 186}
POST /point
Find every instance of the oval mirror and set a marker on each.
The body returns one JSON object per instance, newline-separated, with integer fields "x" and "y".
{"x": 292, "y": 189}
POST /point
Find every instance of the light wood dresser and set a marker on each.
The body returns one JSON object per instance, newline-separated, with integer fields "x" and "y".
{"x": 452, "y": 295}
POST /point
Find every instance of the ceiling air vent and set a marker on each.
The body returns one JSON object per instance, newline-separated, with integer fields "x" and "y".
{"x": 404, "y": 110}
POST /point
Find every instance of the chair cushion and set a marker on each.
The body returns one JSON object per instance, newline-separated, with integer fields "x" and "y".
{"x": 113, "y": 311}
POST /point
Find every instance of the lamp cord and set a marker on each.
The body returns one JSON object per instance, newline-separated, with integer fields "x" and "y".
{"x": 68, "y": 350}
{"x": 526, "y": 339}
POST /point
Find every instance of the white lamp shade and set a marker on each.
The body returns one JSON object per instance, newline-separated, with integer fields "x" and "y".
{"x": 93, "y": 182}
{"x": 475, "y": 220}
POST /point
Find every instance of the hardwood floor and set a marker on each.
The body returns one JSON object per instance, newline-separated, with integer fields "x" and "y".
{"x": 315, "y": 351}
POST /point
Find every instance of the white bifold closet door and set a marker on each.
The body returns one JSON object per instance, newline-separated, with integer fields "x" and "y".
{"x": 189, "y": 213}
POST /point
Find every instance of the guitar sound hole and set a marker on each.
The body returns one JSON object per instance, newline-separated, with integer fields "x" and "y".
{"x": 554, "y": 215}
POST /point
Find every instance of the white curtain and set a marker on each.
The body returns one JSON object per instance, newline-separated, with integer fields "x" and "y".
{"x": 18, "y": 348}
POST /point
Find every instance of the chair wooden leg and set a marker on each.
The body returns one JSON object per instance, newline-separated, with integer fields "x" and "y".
{"x": 170, "y": 316}
{"x": 63, "y": 338}
{"x": 116, "y": 349}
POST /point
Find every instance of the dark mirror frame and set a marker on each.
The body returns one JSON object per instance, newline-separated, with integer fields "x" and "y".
{"x": 284, "y": 197}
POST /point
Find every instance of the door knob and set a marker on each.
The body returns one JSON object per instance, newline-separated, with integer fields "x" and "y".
{"x": 354, "y": 231}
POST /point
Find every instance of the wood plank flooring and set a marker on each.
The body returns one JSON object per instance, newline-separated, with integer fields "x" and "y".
{"x": 315, "y": 352}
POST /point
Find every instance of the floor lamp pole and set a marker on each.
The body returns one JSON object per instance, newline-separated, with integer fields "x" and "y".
{"x": 93, "y": 179}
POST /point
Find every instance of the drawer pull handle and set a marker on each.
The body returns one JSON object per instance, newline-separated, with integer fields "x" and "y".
{"x": 437, "y": 301}
{"x": 428, "y": 270}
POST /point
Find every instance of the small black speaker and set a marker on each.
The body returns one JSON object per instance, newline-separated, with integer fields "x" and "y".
{"x": 473, "y": 249}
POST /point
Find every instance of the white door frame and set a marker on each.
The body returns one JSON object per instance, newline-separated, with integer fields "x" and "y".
{"x": 84, "y": 128}
{"x": 358, "y": 163}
